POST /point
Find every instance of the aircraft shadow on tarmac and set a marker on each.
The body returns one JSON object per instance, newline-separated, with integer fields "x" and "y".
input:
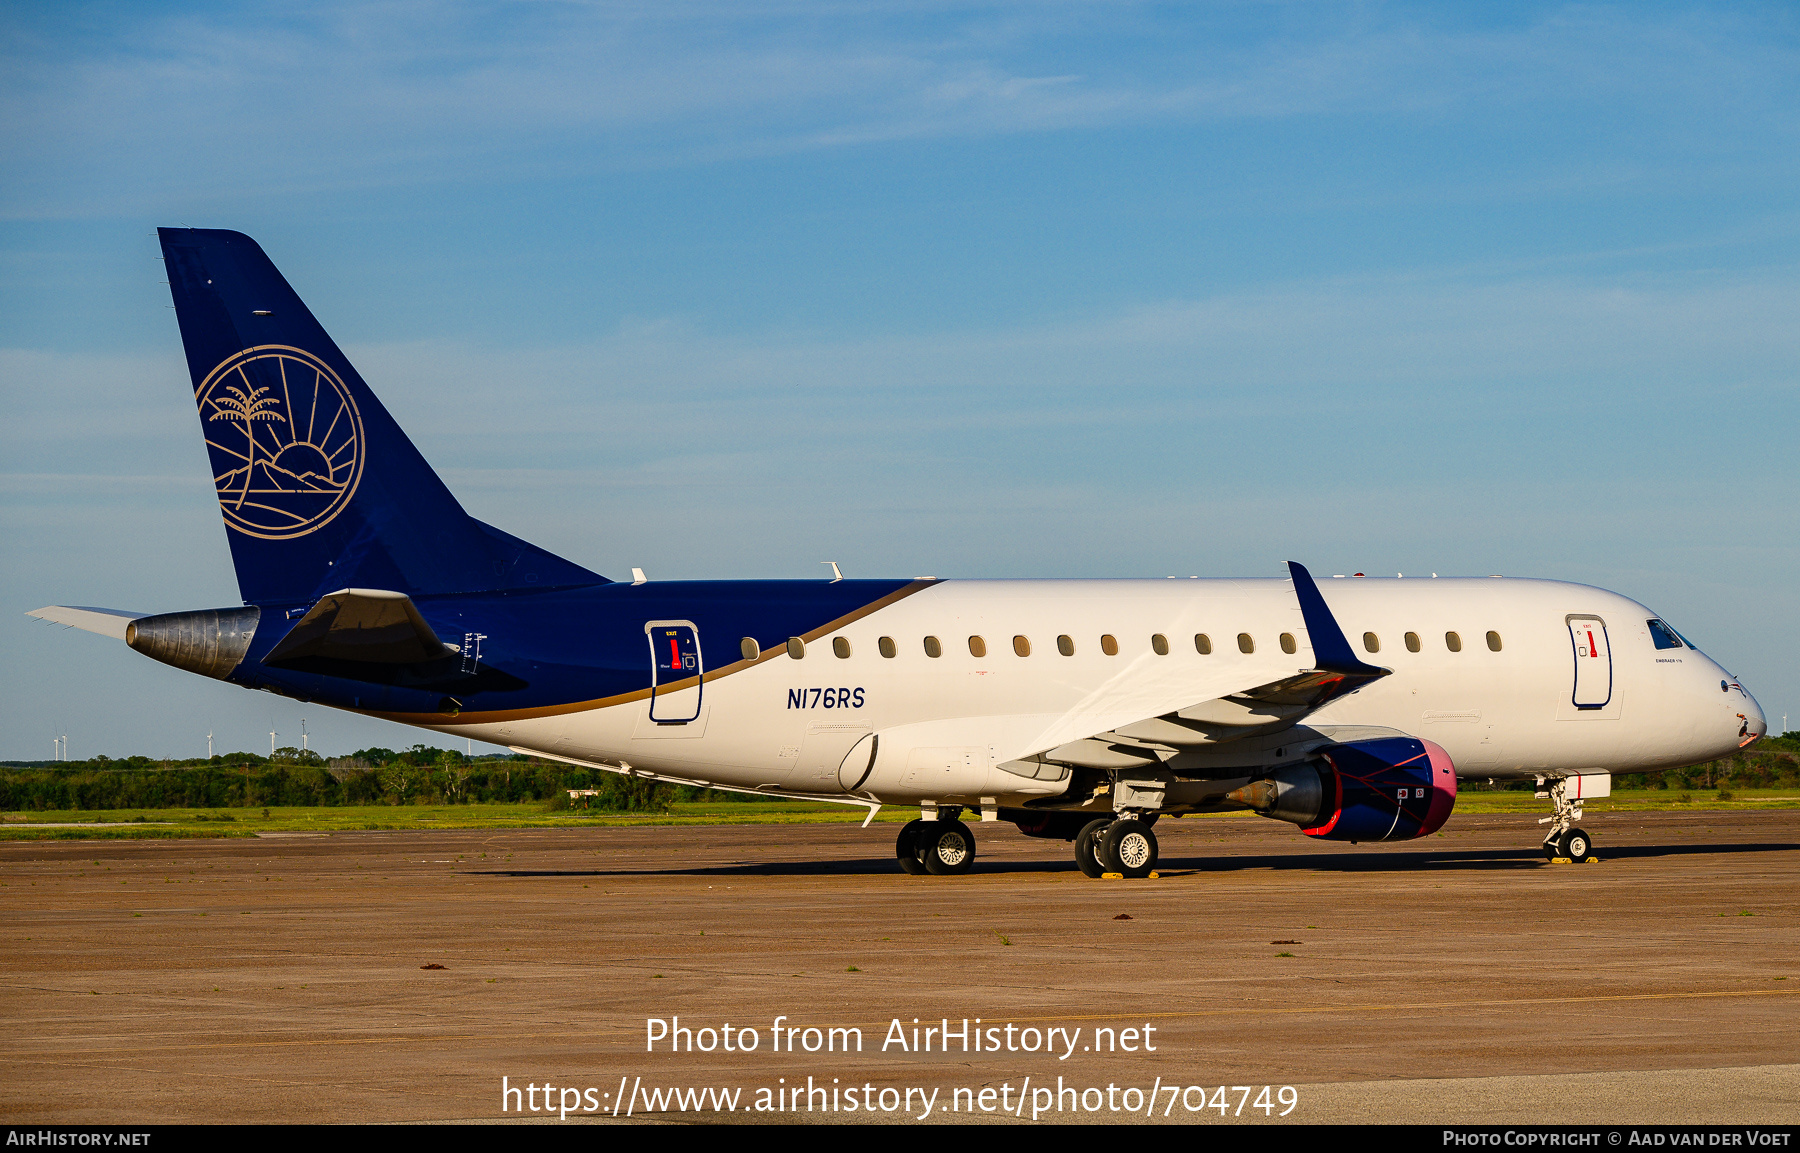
{"x": 1390, "y": 862}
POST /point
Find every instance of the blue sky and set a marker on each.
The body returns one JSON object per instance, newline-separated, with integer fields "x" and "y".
{"x": 1073, "y": 289}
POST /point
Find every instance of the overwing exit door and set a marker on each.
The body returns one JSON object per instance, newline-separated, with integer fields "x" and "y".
{"x": 676, "y": 671}
{"x": 1593, "y": 662}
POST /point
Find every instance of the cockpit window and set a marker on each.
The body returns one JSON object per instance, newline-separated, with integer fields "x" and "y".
{"x": 1664, "y": 636}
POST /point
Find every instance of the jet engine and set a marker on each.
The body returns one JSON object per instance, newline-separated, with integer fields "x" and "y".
{"x": 1384, "y": 789}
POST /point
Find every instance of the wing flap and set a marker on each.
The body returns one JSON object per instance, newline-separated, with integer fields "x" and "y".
{"x": 1255, "y": 711}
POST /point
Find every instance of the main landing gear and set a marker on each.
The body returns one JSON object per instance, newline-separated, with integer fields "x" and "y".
{"x": 943, "y": 848}
{"x": 1123, "y": 845}
{"x": 1564, "y": 841}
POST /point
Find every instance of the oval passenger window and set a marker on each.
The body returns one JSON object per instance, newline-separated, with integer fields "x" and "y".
{"x": 1245, "y": 643}
{"x": 886, "y": 645}
{"x": 1493, "y": 641}
{"x": 841, "y": 646}
{"x": 1371, "y": 642}
{"x": 750, "y": 648}
{"x": 1287, "y": 643}
{"x": 1108, "y": 645}
{"x": 1022, "y": 646}
{"x": 796, "y": 648}
{"x": 1412, "y": 642}
{"x": 1203, "y": 644}
{"x": 1065, "y": 645}
{"x": 1159, "y": 644}
{"x": 1453, "y": 642}
{"x": 977, "y": 647}
{"x": 932, "y": 648}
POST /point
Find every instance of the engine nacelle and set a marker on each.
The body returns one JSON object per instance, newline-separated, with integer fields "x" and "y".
{"x": 1385, "y": 789}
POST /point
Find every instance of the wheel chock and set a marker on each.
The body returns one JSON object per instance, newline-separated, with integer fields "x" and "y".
{"x": 1561, "y": 861}
{"x": 1591, "y": 861}
{"x": 1112, "y": 876}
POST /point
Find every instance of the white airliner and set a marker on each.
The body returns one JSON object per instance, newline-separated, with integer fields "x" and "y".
{"x": 1082, "y": 710}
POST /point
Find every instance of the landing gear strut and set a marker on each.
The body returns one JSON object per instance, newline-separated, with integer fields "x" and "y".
{"x": 1563, "y": 840}
{"x": 1124, "y": 845}
{"x": 943, "y": 848}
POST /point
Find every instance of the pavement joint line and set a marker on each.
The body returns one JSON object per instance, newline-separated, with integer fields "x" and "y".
{"x": 593, "y": 1033}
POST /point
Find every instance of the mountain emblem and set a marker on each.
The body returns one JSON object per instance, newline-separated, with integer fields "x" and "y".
{"x": 285, "y": 439}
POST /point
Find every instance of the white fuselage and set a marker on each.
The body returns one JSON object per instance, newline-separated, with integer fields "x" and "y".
{"x": 1503, "y": 702}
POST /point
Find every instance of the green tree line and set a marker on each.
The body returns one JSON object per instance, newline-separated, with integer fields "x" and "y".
{"x": 423, "y": 775}
{"x": 293, "y": 777}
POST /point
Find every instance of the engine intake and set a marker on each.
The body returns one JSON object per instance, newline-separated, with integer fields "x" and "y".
{"x": 1386, "y": 789}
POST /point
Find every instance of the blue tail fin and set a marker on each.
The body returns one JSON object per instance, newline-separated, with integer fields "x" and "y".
{"x": 319, "y": 488}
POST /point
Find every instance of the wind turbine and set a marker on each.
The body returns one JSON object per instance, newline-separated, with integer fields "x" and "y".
{"x": 209, "y": 745}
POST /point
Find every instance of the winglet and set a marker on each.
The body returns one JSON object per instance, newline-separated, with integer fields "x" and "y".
{"x": 1331, "y": 650}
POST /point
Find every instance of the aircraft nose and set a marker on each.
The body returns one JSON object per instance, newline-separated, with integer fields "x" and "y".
{"x": 1755, "y": 726}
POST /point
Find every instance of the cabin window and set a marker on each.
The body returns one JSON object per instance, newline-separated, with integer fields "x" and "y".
{"x": 1371, "y": 643}
{"x": 1493, "y": 639}
{"x": 1663, "y": 636}
{"x": 841, "y": 646}
{"x": 1022, "y": 646}
{"x": 1203, "y": 644}
{"x": 749, "y": 648}
{"x": 1453, "y": 642}
{"x": 977, "y": 647}
{"x": 1412, "y": 642}
{"x": 1065, "y": 645}
{"x": 933, "y": 648}
{"x": 796, "y": 648}
{"x": 886, "y": 645}
{"x": 1288, "y": 645}
{"x": 1109, "y": 645}
{"x": 1159, "y": 644}
{"x": 1245, "y": 643}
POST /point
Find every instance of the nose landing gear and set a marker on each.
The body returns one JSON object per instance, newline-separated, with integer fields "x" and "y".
{"x": 1564, "y": 841}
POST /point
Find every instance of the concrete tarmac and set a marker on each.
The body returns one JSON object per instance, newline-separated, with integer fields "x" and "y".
{"x": 1456, "y": 979}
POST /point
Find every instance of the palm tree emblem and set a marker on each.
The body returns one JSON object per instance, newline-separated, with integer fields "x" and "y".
{"x": 285, "y": 438}
{"x": 246, "y": 407}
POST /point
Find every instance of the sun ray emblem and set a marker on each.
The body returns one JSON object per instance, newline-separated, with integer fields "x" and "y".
{"x": 285, "y": 438}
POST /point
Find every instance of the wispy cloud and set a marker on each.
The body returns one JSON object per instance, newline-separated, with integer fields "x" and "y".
{"x": 330, "y": 96}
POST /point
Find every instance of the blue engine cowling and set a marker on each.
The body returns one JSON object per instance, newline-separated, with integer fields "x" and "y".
{"x": 1384, "y": 789}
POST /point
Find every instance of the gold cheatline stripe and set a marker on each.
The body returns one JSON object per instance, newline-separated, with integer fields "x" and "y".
{"x": 986, "y": 1023}
{"x": 737, "y": 666}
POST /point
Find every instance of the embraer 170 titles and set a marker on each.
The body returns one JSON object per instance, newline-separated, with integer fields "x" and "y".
{"x": 1082, "y": 710}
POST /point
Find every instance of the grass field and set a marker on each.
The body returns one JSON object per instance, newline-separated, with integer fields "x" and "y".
{"x": 170, "y": 823}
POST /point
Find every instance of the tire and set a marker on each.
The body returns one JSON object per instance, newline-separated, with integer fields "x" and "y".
{"x": 947, "y": 848}
{"x": 1577, "y": 845}
{"x": 1128, "y": 847}
{"x": 906, "y": 848}
{"x": 1085, "y": 843}
{"x": 1551, "y": 852}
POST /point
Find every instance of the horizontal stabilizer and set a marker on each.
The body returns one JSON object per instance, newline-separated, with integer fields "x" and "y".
{"x": 106, "y": 622}
{"x": 362, "y": 625}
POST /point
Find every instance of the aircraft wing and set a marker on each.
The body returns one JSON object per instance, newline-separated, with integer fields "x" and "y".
{"x": 1251, "y": 711}
{"x": 362, "y": 625}
{"x": 106, "y": 622}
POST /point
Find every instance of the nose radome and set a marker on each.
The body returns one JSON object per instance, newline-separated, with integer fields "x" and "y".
{"x": 1755, "y": 725}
